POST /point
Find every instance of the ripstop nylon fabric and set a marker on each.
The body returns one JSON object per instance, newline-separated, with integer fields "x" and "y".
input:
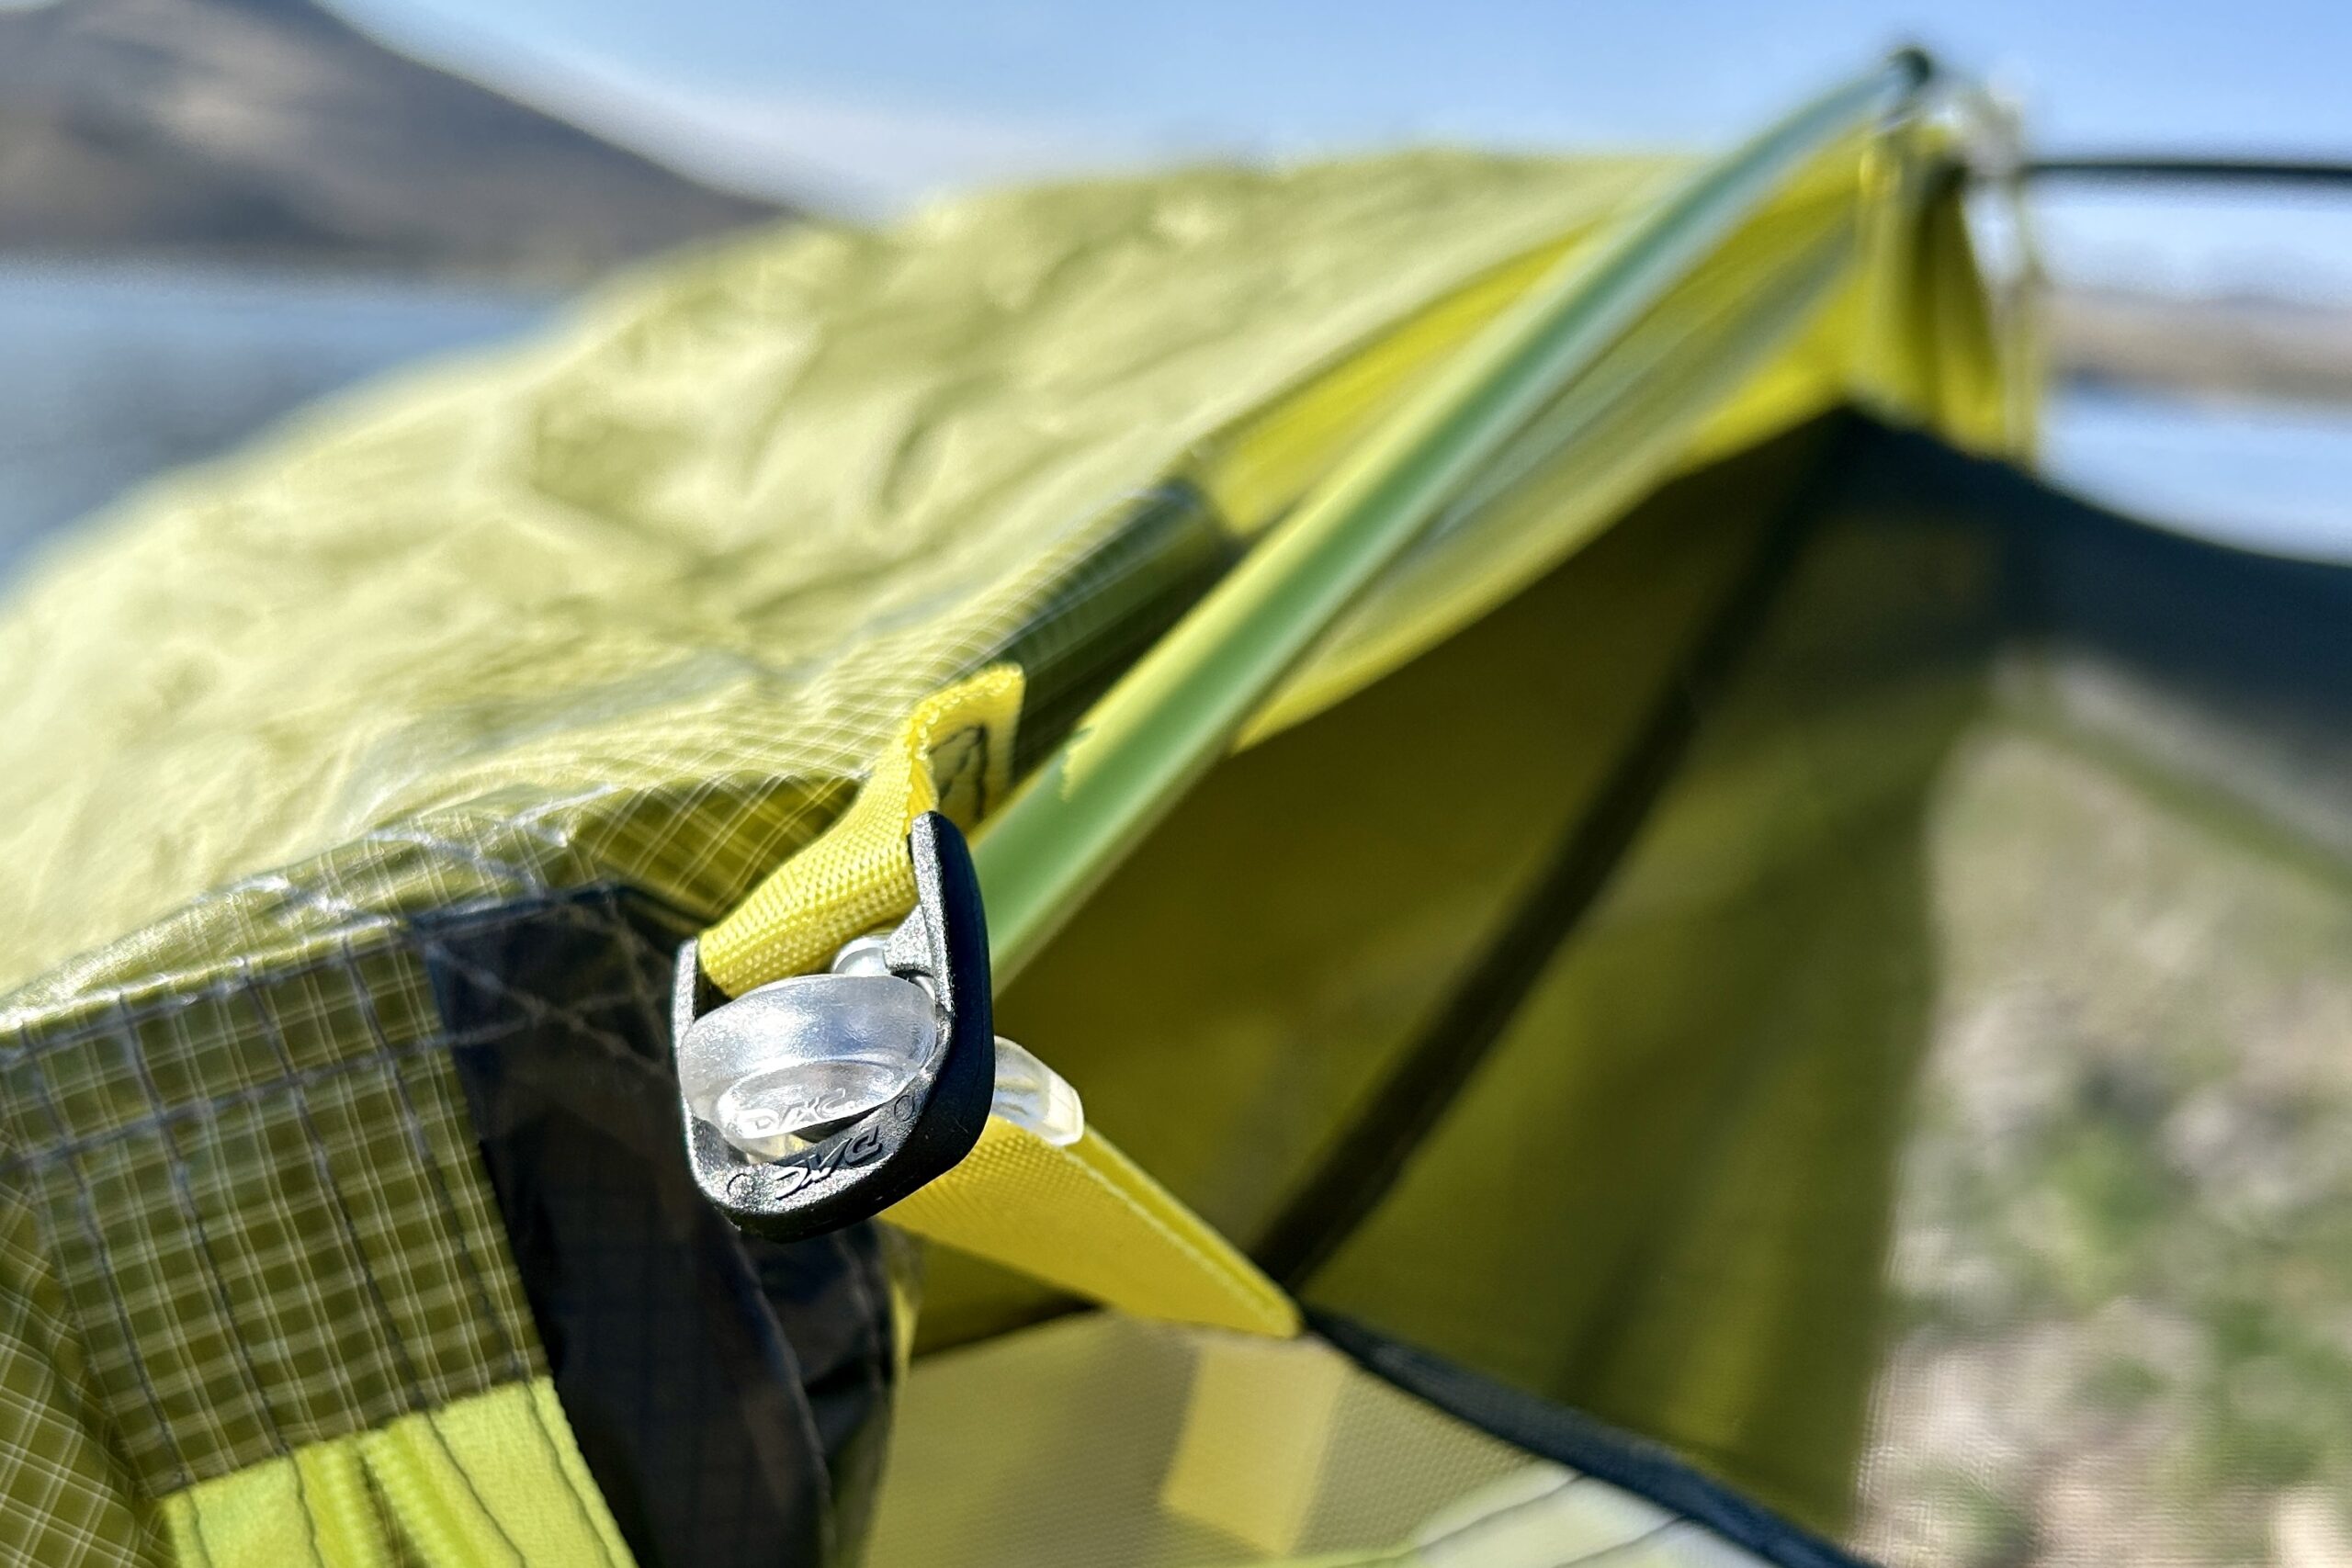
{"x": 1020, "y": 1212}
{"x": 467, "y": 1486}
{"x": 638, "y": 604}
{"x": 1194, "y": 1448}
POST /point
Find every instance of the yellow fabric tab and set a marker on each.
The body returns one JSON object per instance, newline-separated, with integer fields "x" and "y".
{"x": 954, "y": 755}
{"x": 334, "y": 1490}
{"x": 1082, "y": 1217}
{"x": 1258, "y": 1426}
{"x": 253, "y": 1515}
{"x": 494, "y": 1480}
{"x": 1087, "y": 1219}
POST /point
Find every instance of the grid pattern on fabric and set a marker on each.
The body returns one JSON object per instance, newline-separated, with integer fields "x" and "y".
{"x": 718, "y": 811}
{"x": 730, "y": 1395}
{"x": 263, "y": 1209}
{"x": 633, "y": 606}
{"x": 69, "y": 1495}
{"x": 640, "y": 589}
{"x": 254, "y": 1216}
{"x": 637, "y": 603}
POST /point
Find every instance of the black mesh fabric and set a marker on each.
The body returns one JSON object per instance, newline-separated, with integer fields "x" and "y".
{"x": 731, "y": 1395}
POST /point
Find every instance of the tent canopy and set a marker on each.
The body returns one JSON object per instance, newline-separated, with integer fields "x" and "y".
{"x": 1743, "y": 841}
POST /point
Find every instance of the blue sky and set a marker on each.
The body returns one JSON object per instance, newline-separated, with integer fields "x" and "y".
{"x": 874, "y": 105}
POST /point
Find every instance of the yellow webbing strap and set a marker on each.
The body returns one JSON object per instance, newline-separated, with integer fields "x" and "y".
{"x": 953, "y": 755}
{"x": 1082, "y": 1217}
{"x": 493, "y": 1481}
{"x": 1086, "y": 1218}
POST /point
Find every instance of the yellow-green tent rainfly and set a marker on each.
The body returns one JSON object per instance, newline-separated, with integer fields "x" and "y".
{"x": 1616, "y": 924}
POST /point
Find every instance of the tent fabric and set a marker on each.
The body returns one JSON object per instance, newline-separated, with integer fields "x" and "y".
{"x": 730, "y": 1395}
{"x": 564, "y": 650}
{"x": 1930, "y": 1127}
{"x": 261, "y": 1205}
{"x": 1564, "y": 1226}
{"x": 527, "y": 1493}
{"x": 1000, "y": 433}
{"x": 1199, "y": 1448}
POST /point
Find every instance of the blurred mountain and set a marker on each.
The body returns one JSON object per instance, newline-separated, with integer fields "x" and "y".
{"x": 2241, "y": 347}
{"x": 272, "y": 128}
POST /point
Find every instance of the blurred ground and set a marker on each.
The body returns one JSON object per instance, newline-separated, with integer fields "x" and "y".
{"x": 2245, "y": 347}
{"x": 2125, "y": 1252}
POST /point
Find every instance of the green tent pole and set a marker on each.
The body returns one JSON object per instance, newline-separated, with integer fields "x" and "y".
{"x": 1178, "y": 710}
